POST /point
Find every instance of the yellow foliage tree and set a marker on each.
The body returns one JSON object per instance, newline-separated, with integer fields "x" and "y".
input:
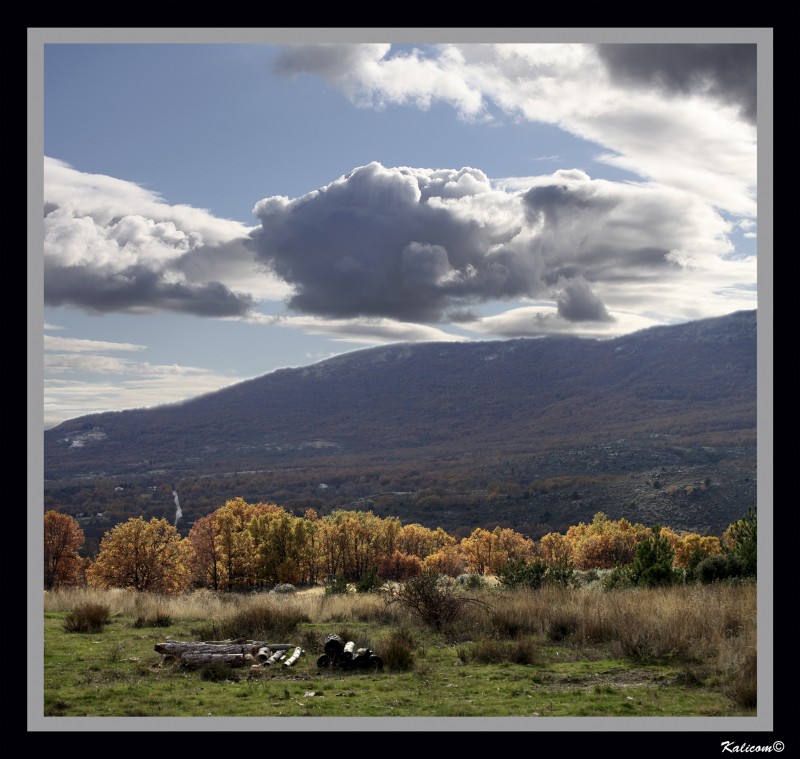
{"x": 604, "y": 543}
{"x": 146, "y": 556}
{"x": 422, "y": 541}
{"x": 487, "y": 552}
{"x": 554, "y": 549}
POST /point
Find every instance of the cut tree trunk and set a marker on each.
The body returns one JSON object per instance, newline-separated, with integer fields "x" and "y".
{"x": 275, "y": 658}
{"x": 294, "y": 657}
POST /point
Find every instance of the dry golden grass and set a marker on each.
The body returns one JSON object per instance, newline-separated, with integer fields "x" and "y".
{"x": 692, "y": 622}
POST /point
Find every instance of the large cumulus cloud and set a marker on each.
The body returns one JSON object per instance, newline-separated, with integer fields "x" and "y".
{"x": 402, "y": 242}
{"x": 111, "y": 245}
{"x": 428, "y": 245}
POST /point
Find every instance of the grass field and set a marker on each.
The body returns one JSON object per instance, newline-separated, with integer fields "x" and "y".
{"x": 680, "y": 651}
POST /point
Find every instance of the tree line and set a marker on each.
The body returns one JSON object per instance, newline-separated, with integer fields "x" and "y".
{"x": 243, "y": 546}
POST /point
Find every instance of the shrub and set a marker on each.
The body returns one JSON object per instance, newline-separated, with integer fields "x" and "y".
{"x": 160, "y": 618}
{"x": 616, "y": 578}
{"x": 741, "y": 541}
{"x": 284, "y": 587}
{"x": 87, "y": 617}
{"x": 562, "y": 626}
{"x": 519, "y": 573}
{"x": 369, "y": 582}
{"x": 254, "y": 623}
{"x": 336, "y": 586}
{"x": 472, "y": 581}
{"x": 718, "y": 567}
{"x": 431, "y": 602}
{"x": 397, "y": 651}
{"x": 561, "y": 573}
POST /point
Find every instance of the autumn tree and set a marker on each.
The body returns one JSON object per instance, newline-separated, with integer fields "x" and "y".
{"x": 399, "y": 566}
{"x": 279, "y": 543}
{"x": 351, "y": 542}
{"x": 488, "y": 552}
{"x": 693, "y": 548}
{"x": 554, "y": 548}
{"x": 62, "y": 539}
{"x": 421, "y": 541}
{"x": 205, "y": 561}
{"x": 477, "y": 550}
{"x": 146, "y": 556}
{"x": 235, "y": 544}
{"x": 605, "y": 543}
{"x": 446, "y": 561}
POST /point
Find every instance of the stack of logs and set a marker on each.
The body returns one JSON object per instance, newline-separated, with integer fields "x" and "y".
{"x": 256, "y": 653}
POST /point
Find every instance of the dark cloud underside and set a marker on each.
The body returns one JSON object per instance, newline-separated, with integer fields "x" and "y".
{"x": 139, "y": 290}
{"x": 726, "y": 71}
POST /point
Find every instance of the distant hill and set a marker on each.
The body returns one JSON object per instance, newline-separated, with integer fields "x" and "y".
{"x": 534, "y": 434}
{"x": 695, "y": 382}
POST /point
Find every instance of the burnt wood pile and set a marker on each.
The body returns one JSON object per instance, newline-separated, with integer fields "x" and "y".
{"x": 347, "y": 656}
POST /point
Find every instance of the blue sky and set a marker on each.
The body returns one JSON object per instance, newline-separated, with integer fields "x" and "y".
{"x": 215, "y": 212}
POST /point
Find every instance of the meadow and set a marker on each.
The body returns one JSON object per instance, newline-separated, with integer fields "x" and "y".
{"x": 684, "y": 650}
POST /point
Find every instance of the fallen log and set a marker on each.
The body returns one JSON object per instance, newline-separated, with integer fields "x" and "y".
{"x": 294, "y": 657}
{"x": 174, "y": 648}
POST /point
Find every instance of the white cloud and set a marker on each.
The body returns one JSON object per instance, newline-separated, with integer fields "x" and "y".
{"x": 111, "y": 245}
{"x": 533, "y": 321}
{"x": 424, "y": 245}
{"x": 370, "y": 331}
{"x": 134, "y": 384}
{"x": 685, "y": 138}
{"x": 78, "y": 345}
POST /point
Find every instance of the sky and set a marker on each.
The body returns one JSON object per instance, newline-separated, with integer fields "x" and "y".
{"x": 213, "y": 212}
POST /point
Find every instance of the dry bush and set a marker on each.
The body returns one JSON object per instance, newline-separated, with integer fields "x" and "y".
{"x": 432, "y": 603}
{"x": 742, "y": 685}
{"x": 737, "y": 664}
{"x": 397, "y": 651}
{"x": 524, "y": 650}
{"x": 87, "y": 617}
{"x": 256, "y": 621}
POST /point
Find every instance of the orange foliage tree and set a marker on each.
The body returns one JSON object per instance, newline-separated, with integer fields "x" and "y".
{"x": 62, "y": 539}
{"x": 399, "y": 566}
{"x": 146, "y": 556}
{"x": 205, "y": 557}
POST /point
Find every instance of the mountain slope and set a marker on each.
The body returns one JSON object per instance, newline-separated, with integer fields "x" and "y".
{"x": 694, "y": 381}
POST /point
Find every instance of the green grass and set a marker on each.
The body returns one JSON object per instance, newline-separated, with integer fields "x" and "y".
{"x": 116, "y": 672}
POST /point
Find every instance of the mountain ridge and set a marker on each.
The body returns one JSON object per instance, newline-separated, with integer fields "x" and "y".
{"x": 694, "y": 379}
